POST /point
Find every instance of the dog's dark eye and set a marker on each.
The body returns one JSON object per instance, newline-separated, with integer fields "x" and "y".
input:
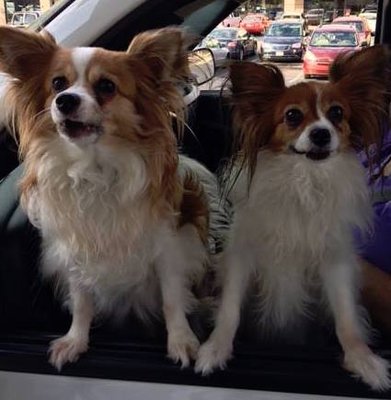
{"x": 294, "y": 117}
{"x": 105, "y": 87}
{"x": 59, "y": 83}
{"x": 335, "y": 114}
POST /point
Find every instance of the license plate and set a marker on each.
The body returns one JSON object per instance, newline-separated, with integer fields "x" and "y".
{"x": 279, "y": 53}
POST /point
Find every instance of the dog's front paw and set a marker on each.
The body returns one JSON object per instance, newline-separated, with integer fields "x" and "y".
{"x": 372, "y": 369}
{"x": 66, "y": 349}
{"x": 213, "y": 354}
{"x": 182, "y": 346}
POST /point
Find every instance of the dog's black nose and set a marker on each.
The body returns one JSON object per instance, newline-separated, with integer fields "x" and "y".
{"x": 320, "y": 136}
{"x": 67, "y": 102}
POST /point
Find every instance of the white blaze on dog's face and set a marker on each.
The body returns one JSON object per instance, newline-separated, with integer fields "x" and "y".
{"x": 74, "y": 108}
{"x": 91, "y": 93}
{"x": 311, "y": 119}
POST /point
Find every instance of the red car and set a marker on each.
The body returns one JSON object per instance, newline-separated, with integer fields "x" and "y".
{"x": 361, "y": 24}
{"x": 255, "y": 24}
{"x": 325, "y": 44}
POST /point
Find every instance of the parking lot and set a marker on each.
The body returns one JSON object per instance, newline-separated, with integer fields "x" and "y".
{"x": 292, "y": 72}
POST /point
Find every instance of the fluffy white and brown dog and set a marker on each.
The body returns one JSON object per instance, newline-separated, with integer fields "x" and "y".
{"x": 298, "y": 190}
{"x": 124, "y": 221}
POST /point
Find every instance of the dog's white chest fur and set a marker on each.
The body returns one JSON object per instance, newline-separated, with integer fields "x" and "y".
{"x": 96, "y": 227}
{"x": 296, "y": 220}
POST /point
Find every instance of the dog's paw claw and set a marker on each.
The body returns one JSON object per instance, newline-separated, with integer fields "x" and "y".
{"x": 212, "y": 356}
{"x": 183, "y": 347}
{"x": 372, "y": 369}
{"x": 66, "y": 349}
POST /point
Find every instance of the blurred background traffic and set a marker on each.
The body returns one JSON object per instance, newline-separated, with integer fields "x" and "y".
{"x": 302, "y": 36}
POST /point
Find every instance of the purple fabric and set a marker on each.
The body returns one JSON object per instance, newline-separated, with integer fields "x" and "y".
{"x": 376, "y": 247}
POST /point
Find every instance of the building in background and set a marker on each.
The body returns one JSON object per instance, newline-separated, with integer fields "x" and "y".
{"x": 8, "y": 7}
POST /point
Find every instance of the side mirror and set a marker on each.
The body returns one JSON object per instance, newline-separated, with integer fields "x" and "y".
{"x": 202, "y": 65}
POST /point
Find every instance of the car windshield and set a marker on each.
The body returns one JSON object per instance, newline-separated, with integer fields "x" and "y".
{"x": 333, "y": 39}
{"x": 357, "y": 24}
{"x": 223, "y": 34}
{"x": 285, "y": 30}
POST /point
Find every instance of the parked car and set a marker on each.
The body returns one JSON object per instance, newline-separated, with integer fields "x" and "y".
{"x": 255, "y": 24}
{"x": 24, "y": 18}
{"x": 284, "y": 40}
{"x": 325, "y": 44}
{"x": 237, "y": 41}
{"x": 226, "y": 43}
{"x": 220, "y": 50}
{"x": 371, "y": 18}
{"x": 361, "y": 24}
{"x": 315, "y": 16}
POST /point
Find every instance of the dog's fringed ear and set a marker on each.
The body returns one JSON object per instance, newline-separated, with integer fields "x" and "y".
{"x": 363, "y": 77}
{"x": 24, "y": 53}
{"x": 254, "y": 87}
{"x": 255, "y": 90}
{"x": 164, "y": 51}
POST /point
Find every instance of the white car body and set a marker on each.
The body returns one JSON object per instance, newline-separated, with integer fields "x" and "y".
{"x": 371, "y": 18}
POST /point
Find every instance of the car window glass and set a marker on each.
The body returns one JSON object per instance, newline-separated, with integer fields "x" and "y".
{"x": 284, "y": 30}
{"x": 333, "y": 39}
{"x": 29, "y": 18}
{"x": 223, "y": 33}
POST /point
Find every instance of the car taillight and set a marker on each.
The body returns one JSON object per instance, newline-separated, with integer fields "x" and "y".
{"x": 232, "y": 44}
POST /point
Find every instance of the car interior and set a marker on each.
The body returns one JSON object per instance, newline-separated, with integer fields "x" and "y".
{"x": 31, "y": 316}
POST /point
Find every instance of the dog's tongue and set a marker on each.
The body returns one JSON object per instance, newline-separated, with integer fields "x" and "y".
{"x": 76, "y": 129}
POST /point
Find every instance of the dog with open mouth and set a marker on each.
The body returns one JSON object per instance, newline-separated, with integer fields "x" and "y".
{"x": 126, "y": 223}
{"x": 298, "y": 190}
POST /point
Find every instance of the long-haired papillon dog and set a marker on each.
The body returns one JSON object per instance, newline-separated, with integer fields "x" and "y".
{"x": 125, "y": 222}
{"x": 298, "y": 191}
